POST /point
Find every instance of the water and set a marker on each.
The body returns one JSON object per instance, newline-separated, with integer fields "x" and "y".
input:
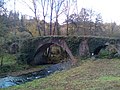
{"x": 12, "y": 81}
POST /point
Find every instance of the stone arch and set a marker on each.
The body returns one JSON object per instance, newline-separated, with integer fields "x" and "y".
{"x": 111, "y": 48}
{"x": 97, "y": 50}
{"x": 39, "y": 59}
{"x": 117, "y": 47}
{"x": 14, "y": 48}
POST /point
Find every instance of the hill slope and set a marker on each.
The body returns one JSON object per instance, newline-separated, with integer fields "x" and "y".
{"x": 90, "y": 75}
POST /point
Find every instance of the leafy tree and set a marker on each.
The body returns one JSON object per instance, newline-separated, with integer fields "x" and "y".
{"x": 13, "y": 21}
{"x": 86, "y": 22}
{"x": 3, "y": 25}
{"x": 3, "y": 30}
{"x": 73, "y": 22}
{"x": 23, "y": 26}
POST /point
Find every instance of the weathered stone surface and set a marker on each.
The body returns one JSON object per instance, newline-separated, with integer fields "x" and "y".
{"x": 14, "y": 48}
{"x": 84, "y": 49}
{"x": 39, "y": 59}
{"x": 33, "y": 49}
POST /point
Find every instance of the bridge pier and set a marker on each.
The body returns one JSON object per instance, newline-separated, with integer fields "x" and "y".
{"x": 84, "y": 49}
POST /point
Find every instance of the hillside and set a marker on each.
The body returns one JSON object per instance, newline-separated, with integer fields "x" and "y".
{"x": 89, "y": 75}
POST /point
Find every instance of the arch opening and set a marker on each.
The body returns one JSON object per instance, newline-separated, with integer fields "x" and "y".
{"x": 105, "y": 51}
{"x": 50, "y": 53}
{"x": 97, "y": 50}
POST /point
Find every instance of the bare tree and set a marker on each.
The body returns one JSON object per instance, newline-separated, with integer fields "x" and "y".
{"x": 98, "y": 24}
{"x": 83, "y": 22}
{"x": 58, "y": 11}
{"x": 113, "y": 26}
{"x": 84, "y": 16}
{"x": 44, "y": 4}
{"x": 3, "y": 9}
{"x": 36, "y": 18}
{"x": 51, "y": 14}
{"x": 91, "y": 22}
{"x": 34, "y": 10}
{"x": 69, "y": 5}
{"x": 1, "y": 6}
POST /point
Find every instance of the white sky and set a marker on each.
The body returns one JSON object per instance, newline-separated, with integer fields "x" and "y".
{"x": 109, "y": 9}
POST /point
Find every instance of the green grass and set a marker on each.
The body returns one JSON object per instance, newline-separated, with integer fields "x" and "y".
{"x": 10, "y": 64}
{"x": 90, "y": 75}
{"x": 109, "y": 78}
{"x": 8, "y": 59}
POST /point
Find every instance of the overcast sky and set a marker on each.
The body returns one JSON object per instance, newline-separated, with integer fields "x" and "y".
{"x": 109, "y": 9}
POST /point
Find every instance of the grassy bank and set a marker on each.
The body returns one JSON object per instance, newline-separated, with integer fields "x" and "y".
{"x": 90, "y": 75}
{"x": 9, "y": 64}
{"x": 11, "y": 67}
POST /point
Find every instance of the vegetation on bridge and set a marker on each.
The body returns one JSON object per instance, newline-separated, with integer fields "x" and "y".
{"x": 30, "y": 46}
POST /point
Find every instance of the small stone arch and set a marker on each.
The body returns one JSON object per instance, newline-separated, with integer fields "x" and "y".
{"x": 97, "y": 50}
{"x": 111, "y": 48}
{"x": 39, "y": 59}
{"x": 14, "y": 48}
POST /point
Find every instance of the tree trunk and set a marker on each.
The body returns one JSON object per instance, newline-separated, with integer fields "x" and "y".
{"x": 1, "y": 63}
{"x": 38, "y": 27}
{"x": 67, "y": 25}
{"x": 44, "y": 27}
{"x": 57, "y": 26}
{"x": 54, "y": 29}
{"x": 51, "y": 19}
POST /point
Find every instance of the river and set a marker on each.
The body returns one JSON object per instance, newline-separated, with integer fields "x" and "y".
{"x": 21, "y": 79}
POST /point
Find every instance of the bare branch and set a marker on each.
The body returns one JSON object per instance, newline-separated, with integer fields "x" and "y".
{"x": 28, "y": 5}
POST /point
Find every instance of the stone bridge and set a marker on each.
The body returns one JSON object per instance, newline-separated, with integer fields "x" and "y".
{"x": 32, "y": 49}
